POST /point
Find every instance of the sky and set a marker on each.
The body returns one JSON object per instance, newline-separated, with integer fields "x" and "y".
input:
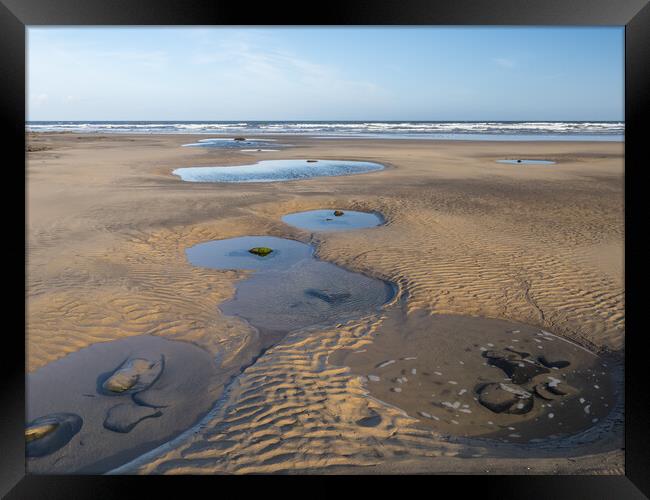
{"x": 363, "y": 73}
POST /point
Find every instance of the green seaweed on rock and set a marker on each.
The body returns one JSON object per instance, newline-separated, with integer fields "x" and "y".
{"x": 261, "y": 251}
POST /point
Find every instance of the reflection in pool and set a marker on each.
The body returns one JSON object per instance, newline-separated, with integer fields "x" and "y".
{"x": 290, "y": 289}
{"x": 326, "y": 220}
{"x": 527, "y": 162}
{"x": 276, "y": 170}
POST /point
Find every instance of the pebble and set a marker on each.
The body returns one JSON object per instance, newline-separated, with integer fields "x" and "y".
{"x": 374, "y": 378}
{"x": 551, "y": 415}
{"x": 396, "y": 389}
{"x": 386, "y": 363}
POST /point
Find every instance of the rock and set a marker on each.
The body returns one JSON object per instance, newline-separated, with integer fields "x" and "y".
{"x": 261, "y": 251}
{"x": 338, "y": 213}
{"x": 49, "y": 433}
{"x": 134, "y": 375}
{"x": 518, "y": 161}
{"x": 542, "y": 390}
{"x": 312, "y": 161}
{"x": 239, "y": 138}
{"x": 505, "y": 398}
{"x": 372, "y": 421}
{"x": 561, "y": 390}
{"x": 125, "y": 416}
{"x": 515, "y": 365}
{"x": 39, "y": 431}
{"x": 330, "y": 298}
{"x": 553, "y": 364}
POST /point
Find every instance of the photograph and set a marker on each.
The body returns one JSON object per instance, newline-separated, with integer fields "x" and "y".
{"x": 325, "y": 250}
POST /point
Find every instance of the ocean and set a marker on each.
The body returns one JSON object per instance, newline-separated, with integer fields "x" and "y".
{"x": 442, "y": 130}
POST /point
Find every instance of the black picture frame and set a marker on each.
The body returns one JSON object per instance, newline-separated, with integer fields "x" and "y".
{"x": 16, "y": 15}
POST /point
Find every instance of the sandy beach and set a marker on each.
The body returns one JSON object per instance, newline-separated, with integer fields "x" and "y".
{"x": 541, "y": 246}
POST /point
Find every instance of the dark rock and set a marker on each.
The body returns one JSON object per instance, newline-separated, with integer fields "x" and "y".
{"x": 542, "y": 390}
{"x": 505, "y": 398}
{"x": 312, "y": 161}
{"x": 47, "y": 434}
{"x": 372, "y": 421}
{"x": 338, "y": 213}
{"x": 125, "y": 416}
{"x": 330, "y": 298}
{"x": 553, "y": 364}
{"x": 518, "y": 368}
{"x": 240, "y": 138}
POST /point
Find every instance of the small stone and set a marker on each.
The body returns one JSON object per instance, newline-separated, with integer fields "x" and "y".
{"x": 39, "y": 431}
{"x": 134, "y": 375}
{"x": 338, "y": 213}
{"x": 49, "y": 433}
{"x": 261, "y": 251}
{"x": 124, "y": 417}
{"x": 505, "y": 398}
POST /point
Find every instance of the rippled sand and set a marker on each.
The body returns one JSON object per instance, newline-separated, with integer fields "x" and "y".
{"x": 108, "y": 226}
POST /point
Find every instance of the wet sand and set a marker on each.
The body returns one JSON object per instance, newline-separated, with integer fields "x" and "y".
{"x": 541, "y": 245}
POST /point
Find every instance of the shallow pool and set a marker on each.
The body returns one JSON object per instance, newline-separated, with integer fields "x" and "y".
{"x": 276, "y": 170}
{"x": 527, "y": 162}
{"x": 290, "y": 289}
{"x": 326, "y": 220}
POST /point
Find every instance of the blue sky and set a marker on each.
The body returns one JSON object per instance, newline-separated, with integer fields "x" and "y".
{"x": 418, "y": 73}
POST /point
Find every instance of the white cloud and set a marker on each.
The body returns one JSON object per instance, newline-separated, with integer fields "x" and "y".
{"x": 504, "y": 62}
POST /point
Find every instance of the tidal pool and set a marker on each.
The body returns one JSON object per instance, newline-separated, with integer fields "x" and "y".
{"x": 325, "y": 220}
{"x": 276, "y": 170}
{"x": 290, "y": 289}
{"x": 527, "y": 162}
{"x": 487, "y": 378}
{"x": 108, "y": 403}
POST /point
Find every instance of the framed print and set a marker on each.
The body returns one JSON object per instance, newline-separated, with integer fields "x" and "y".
{"x": 385, "y": 240}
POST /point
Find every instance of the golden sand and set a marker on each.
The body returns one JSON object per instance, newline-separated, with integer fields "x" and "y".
{"x": 539, "y": 244}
